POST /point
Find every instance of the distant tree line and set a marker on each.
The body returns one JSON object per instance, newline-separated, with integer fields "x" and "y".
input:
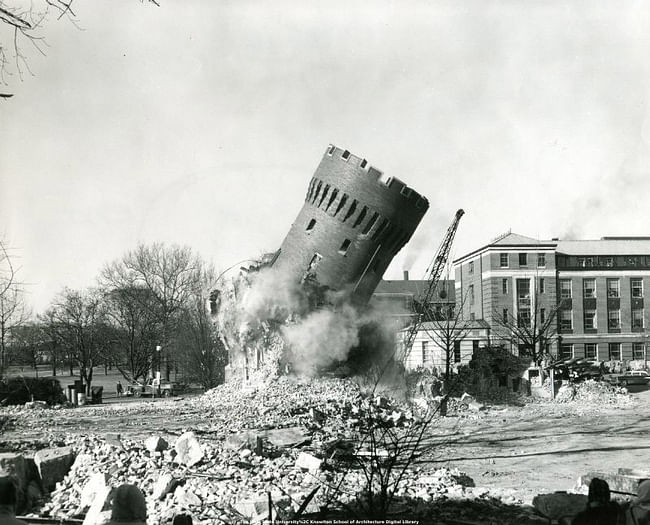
{"x": 146, "y": 314}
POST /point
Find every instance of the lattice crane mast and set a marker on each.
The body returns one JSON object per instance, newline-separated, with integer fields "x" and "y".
{"x": 432, "y": 276}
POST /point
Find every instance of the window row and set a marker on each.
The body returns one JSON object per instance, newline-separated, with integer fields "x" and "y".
{"x": 567, "y": 351}
{"x": 504, "y": 260}
{"x": 391, "y": 236}
{"x": 590, "y": 321}
{"x": 505, "y": 286}
{"x": 613, "y": 287}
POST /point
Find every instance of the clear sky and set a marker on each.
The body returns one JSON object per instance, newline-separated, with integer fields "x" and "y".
{"x": 201, "y": 123}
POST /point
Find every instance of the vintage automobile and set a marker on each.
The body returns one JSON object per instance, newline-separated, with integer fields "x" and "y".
{"x": 151, "y": 388}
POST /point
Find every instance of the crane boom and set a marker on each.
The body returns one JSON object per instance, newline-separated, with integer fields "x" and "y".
{"x": 432, "y": 276}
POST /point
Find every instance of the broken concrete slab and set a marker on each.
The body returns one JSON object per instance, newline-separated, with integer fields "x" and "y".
{"x": 255, "y": 510}
{"x": 188, "y": 449}
{"x": 99, "y": 512}
{"x": 97, "y": 484}
{"x": 279, "y": 437}
{"x": 186, "y": 498}
{"x": 165, "y": 484}
{"x": 621, "y": 483}
{"x": 559, "y": 504}
{"x": 156, "y": 444}
{"x": 308, "y": 462}
{"x": 53, "y": 464}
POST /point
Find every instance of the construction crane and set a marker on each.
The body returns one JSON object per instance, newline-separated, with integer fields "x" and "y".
{"x": 432, "y": 276}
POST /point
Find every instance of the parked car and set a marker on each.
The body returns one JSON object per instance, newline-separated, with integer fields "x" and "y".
{"x": 633, "y": 377}
{"x": 149, "y": 388}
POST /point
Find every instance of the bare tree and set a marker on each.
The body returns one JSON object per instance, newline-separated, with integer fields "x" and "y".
{"x": 12, "y": 307}
{"x": 533, "y": 328}
{"x": 132, "y": 312}
{"x": 172, "y": 277}
{"x": 79, "y": 322}
{"x": 447, "y": 328}
{"x": 22, "y": 25}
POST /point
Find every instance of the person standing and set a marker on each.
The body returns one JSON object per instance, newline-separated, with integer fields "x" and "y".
{"x": 119, "y": 389}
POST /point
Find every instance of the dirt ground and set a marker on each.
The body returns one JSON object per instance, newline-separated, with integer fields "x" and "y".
{"x": 530, "y": 450}
{"x": 538, "y": 449}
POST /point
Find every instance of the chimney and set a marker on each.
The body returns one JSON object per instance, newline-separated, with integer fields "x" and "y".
{"x": 406, "y": 275}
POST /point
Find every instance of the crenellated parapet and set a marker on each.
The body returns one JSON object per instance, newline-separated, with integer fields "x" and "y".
{"x": 353, "y": 222}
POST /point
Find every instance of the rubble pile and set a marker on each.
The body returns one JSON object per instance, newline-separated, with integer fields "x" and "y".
{"x": 592, "y": 392}
{"x": 296, "y": 444}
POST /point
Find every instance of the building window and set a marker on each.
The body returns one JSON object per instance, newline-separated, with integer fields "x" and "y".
{"x": 345, "y": 155}
{"x": 566, "y": 319}
{"x": 590, "y": 319}
{"x": 614, "y": 319}
{"x": 541, "y": 260}
{"x": 614, "y": 351}
{"x": 505, "y": 315}
{"x": 456, "y": 351}
{"x": 613, "y": 288}
{"x": 637, "y": 287}
{"x": 541, "y": 285}
{"x": 565, "y": 289}
{"x": 591, "y": 350}
{"x": 566, "y": 351}
{"x": 425, "y": 352}
{"x": 638, "y": 351}
{"x": 474, "y": 347}
{"x": 344, "y": 247}
{"x": 542, "y": 315}
{"x": 523, "y": 259}
{"x": 408, "y": 302}
{"x": 472, "y": 316}
{"x": 637, "y": 318}
{"x": 589, "y": 288}
{"x": 504, "y": 286}
{"x": 470, "y": 292}
{"x": 608, "y": 262}
{"x": 471, "y": 267}
{"x": 503, "y": 260}
{"x": 311, "y": 225}
{"x": 523, "y": 302}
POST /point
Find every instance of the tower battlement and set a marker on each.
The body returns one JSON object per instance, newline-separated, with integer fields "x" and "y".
{"x": 353, "y": 222}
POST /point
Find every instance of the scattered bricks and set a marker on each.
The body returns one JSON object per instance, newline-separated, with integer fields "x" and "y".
{"x": 97, "y": 484}
{"x": 156, "y": 444}
{"x": 318, "y": 416}
{"x": 186, "y": 498}
{"x": 188, "y": 449}
{"x": 53, "y": 464}
{"x": 308, "y": 462}
{"x": 165, "y": 484}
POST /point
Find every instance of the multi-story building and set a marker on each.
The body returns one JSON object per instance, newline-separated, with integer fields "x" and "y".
{"x": 395, "y": 298}
{"x": 594, "y": 289}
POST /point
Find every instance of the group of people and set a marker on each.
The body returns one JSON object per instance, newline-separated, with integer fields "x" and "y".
{"x": 601, "y": 510}
{"x": 128, "y": 506}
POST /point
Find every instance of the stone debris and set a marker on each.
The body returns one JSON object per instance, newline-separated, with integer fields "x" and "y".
{"x": 156, "y": 444}
{"x": 188, "y": 450}
{"x": 53, "y": 464}
{"x": 308, "y": 462}
{"x": 591, "y": 392}
{"x": 291, "y": 439}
